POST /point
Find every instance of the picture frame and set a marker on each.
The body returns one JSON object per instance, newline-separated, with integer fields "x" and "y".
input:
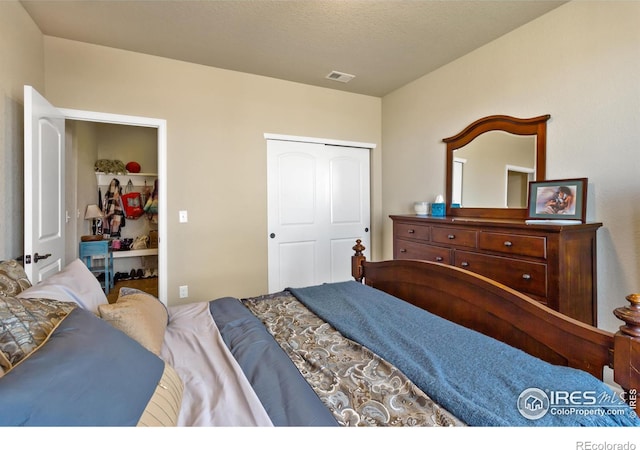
{"x": 558, "y": 199}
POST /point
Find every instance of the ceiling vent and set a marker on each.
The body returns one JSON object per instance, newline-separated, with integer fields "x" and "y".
{"x": 340, "y": 76}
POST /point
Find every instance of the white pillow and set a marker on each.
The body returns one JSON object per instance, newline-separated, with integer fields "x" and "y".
{"x": 75, "y": 283}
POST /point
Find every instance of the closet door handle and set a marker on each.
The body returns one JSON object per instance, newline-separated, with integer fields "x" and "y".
{"x": 37, "y": 257}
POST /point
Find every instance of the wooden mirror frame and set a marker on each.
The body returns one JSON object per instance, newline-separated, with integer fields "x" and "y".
{"x": 534, "y": 126}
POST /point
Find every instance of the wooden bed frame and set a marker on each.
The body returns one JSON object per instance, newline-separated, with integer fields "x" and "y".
{"x": 495, "y": 310}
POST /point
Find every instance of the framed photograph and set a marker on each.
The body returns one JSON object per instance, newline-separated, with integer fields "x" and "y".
{"x": 558, "y": 199}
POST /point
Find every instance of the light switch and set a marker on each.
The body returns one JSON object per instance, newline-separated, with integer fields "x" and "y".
{"x": 183, "y": 217}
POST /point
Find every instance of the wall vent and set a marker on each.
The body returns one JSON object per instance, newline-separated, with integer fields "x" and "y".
{"x": 340, "y": 76}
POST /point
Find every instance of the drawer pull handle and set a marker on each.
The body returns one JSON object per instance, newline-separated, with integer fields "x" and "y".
{"x": 451, "y": 236}
{"x": 464, "y": 264}
{"x": 439, "y": 258}
{"x": 403, "y": 250}
{"x": 411, "y": 231}
{"x": 508, "y": 243}
{"x": 526, "y": 276}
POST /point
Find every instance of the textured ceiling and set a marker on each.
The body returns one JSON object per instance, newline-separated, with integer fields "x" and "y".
{"x": 385, "y": 44}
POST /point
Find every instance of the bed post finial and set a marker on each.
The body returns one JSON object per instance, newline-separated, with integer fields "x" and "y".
{"x": 357, "y": 260}
{"x": 358, "y": 248}
{"x": 626, "y": 353}
{"x": 630, "y": 315}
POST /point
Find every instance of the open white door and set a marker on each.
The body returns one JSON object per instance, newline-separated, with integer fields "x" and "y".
{"x": 318, "y": 205}
{"x": 44, "y": 193}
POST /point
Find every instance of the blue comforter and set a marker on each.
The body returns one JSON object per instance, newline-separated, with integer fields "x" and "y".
{"x": 482, "y": 381}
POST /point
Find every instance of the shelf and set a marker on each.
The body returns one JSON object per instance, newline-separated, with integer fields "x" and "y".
{"x": 132, "y": 253}
{"x": 138, "y": 179}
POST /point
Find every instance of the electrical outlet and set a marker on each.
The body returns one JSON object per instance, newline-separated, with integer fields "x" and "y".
{"x": 184, "y": 291}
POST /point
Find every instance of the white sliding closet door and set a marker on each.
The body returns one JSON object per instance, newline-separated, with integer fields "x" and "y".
{"x": 318, "y": 205}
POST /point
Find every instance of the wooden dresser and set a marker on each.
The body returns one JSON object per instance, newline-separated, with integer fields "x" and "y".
{"x": 554, "y": 264}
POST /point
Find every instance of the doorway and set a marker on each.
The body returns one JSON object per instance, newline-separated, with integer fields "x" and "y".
{"x": 318, "y": 205}
{"x": 92, "y": 149}
{"x": 517, "y": 180}
{"x": 49, "y": 193}
{"x": 156, "y": 126}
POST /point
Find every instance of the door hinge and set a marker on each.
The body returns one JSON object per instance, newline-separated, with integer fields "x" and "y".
{"x": 27, "y": 259}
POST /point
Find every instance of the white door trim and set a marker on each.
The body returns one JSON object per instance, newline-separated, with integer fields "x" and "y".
{"x": 286, "y": 137}
{"x": 161, "y": 125}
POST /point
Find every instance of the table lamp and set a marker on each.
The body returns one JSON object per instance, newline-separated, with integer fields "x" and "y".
{"x": 93, "y": 213}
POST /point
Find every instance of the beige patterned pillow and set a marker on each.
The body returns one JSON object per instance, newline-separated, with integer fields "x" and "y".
{"x": 26, "y": 324}
{"x": 13, "y": 278}
{"x": 139, "y": 315}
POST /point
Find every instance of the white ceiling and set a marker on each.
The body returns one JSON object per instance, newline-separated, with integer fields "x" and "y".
{"x": 385, "y": 44}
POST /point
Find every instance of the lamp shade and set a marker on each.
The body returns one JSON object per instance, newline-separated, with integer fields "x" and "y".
{"x": 93, "y": 212}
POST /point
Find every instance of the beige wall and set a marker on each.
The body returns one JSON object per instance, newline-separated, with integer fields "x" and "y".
{"x": 578, "y": 63}
{"x": 21, "y": 62}
{"x": 216, "y": 120}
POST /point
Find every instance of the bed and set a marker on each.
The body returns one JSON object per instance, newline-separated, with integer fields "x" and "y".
{"x": 406, "y": 343}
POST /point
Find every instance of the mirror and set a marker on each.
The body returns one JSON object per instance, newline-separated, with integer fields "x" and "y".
{"x": 493, "y": 171}
{"x": 490, "y": 164}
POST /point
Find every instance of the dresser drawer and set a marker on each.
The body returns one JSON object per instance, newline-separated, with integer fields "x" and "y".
{"x": 523, "y": 276}
{"x": 404, "y": 249}
{"x": 411, "y": 231}
{"x": 513, "y": 244}
{"x": 458, "y": 237}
